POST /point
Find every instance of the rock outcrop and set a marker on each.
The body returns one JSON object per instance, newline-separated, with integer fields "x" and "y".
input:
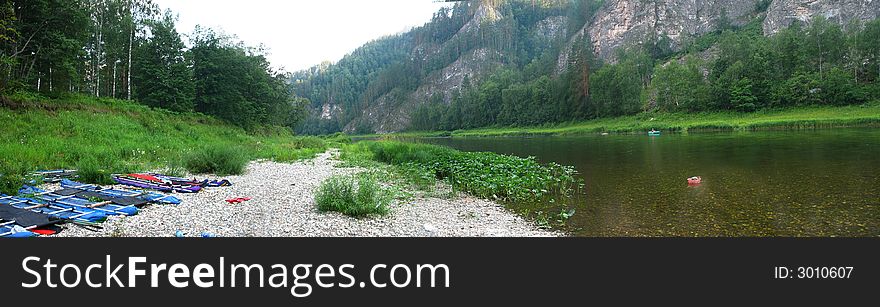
{"x": 624, "y": 22}
{"x": 782, "y": 13}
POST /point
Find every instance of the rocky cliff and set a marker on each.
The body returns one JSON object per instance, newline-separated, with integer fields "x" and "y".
{"x": 625, "y": 22}
{"x": 782, "y": 13}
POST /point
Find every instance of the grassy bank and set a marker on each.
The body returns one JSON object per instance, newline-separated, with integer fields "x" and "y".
{"x": 101, "y": 136}
{"x": 795, "y": 118}
{"x": 504, "y": 178}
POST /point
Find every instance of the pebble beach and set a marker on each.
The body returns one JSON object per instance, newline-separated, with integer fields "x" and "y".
{"x": 282, "y": 205}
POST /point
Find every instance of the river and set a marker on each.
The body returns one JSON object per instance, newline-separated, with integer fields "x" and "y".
{"x": 771, "y": 183}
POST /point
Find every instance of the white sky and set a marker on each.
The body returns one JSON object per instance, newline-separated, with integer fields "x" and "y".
{"x": 302, "y": 33}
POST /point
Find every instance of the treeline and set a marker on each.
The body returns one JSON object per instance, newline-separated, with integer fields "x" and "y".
{"x": 817, "y": 64}
{"x": 399, "y": 64}
{"x": 129, "y": 49}
{"x": 739, "y": 69}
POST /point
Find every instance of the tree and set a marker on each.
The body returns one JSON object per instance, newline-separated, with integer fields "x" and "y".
{"x": 824, "y": 44}
{"x": 236, "y": 83}
{"x": 681, "y": 87}
{"x": 163, "y": 77}
{"x": 44, "y": 36}
{"x": 741, "y": 96}
{"x": 869, "y": 39}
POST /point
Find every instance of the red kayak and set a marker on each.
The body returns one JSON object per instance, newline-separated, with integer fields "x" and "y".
{"x": 695, "y": 180}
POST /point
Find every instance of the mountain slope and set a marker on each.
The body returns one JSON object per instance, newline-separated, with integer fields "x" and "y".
{"x": 381, "y": 86}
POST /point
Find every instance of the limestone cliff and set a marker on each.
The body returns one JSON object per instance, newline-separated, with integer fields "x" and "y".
{"x": 783, "y": 13}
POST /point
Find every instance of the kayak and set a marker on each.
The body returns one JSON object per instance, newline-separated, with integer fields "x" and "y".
{"x": 695, "y": 180}
{"x": 77, "y": 200}
{"x": 11, "y": 230}
{"x": 654, "y": 133}
{"x": 159, "y": 184}
{"x": 152, "y": 197}
{"x": 54, "y": 210}
{"x": 53, "y": 176}
{"x": 184, "y": 181}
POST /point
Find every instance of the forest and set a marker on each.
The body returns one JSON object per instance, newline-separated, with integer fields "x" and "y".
{"x": 819, "y": 64}
{"x": 130, "y": 49}
{"x": 733, "y": 68}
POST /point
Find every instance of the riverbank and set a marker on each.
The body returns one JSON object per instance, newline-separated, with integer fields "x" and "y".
{"x": 101, "y": 136}
{"x": 283, "y": 205}
{"x": 787, "y": 119}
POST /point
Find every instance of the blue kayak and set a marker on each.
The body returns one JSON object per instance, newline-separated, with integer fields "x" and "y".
{"x": 152, "y": 197}
{"x": 11, "y": 230}
{"x": 654, "y": 133}
{"x": 74, "y": 201}
{"x": 55, "y": 210}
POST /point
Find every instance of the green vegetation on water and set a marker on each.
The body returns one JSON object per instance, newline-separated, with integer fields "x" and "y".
{"x": 101, "y": 136}
{"x": 359, "y": 195}
{"x": 790, "y": 118}
{"x": 482, "y": 174}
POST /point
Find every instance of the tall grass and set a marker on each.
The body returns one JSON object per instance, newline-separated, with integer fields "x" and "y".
{"x": 809, "y": 117}
{"x": 101, "y": 136}
{"x": 11, "y": 177}
{"x": 220, "y": 160}
{"x": 355, "y": 196}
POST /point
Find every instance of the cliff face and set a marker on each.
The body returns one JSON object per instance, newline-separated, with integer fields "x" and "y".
{"x": 623, "y": 22}
{"x": 391, "y": 112}
{"x": 626, "y": 22}
{"x": 782, "y": 13}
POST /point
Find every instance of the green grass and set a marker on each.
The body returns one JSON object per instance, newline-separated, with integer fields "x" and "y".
{"x": 482, "y": 174}
{"x": 100, "y": 136}
{"x": 356, "y": 196}
{"x": 793, "y": 118}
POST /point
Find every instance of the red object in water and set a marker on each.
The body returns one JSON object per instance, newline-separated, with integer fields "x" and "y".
{"x": 238, "y": 200}
{"x": 695, "y": 180}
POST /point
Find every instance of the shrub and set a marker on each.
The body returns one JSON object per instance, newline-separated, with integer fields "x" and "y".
{"x": 352, "y": 196}
{"x": 218, "y": 160}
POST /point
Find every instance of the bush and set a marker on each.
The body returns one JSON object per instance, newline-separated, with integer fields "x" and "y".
{"x": 353, "y": 197}
{"x": 218, "y": 160}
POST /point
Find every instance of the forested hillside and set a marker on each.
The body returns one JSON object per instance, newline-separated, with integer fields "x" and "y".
{"x": 486, "y": 63}
{"x": 129, "y": 49}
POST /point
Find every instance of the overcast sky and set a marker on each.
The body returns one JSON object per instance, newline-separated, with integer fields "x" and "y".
{"x": 302, "y": 33}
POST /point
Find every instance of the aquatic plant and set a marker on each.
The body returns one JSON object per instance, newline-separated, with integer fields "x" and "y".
{"x": 482, "y": 174}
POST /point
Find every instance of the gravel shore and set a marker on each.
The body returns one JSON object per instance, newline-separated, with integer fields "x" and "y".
{"x": 283, "y": 205}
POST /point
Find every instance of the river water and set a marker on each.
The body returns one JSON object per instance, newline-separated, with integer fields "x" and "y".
{"x": 773, "y": 183}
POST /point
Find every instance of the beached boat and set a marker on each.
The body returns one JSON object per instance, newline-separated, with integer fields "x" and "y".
{"x": 146, "y": 181}
{"x": 52, "y": 176}
{"x": 148, "y": 196}
{"x": 78, "y": 214}
{"x": 84, "y": 199}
